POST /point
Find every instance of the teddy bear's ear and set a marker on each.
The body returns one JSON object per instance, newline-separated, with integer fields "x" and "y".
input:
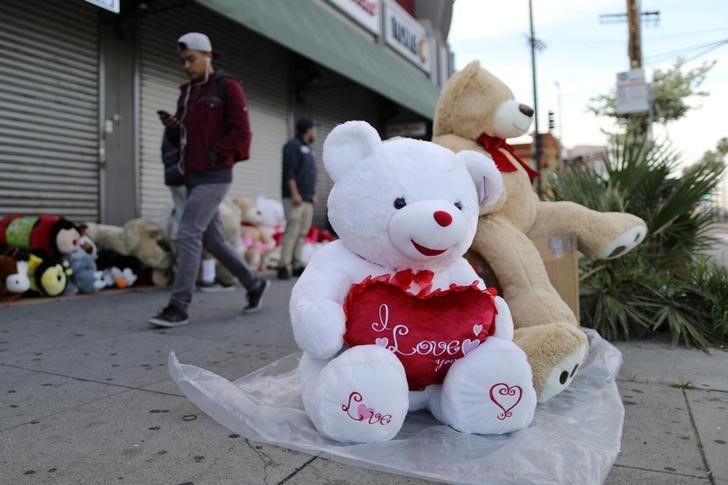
{"x": 347, "y": 145}
{"x": 472, "y": 68}
{"x": 486, "y": 176}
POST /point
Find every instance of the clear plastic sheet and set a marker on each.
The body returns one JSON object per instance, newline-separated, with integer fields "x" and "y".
{"x": 575, "y": 437}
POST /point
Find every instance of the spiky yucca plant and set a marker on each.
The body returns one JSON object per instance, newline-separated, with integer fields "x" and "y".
{"x": 657, "y": 286}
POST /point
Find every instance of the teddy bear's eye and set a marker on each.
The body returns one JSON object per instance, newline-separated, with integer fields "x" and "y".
{"x": 459, "y": 205}
{"x": 399, "y": 203}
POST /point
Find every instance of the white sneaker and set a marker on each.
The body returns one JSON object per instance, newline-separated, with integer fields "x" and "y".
{"x": 214, "y": 286}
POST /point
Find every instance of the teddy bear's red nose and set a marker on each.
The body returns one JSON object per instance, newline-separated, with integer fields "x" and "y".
{"x": 443, "y": 218}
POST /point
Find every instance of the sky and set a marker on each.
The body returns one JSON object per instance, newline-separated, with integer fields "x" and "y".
{"x": 584, "y": 56}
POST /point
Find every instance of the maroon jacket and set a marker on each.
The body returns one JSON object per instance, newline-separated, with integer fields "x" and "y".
{"x": 216, "y": 128}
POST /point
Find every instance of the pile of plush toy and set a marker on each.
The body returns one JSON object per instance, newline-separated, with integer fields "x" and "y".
{"x": 262, "y": 226}
{"x": 51, "y": 256}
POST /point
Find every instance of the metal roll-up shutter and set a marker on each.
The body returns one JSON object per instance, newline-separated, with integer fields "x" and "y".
{"x": 339, "y": 101}
{"x": 49, "y": 108}
{"x": 258, "y": 63}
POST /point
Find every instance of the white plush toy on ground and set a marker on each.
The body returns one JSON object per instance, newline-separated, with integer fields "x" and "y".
{"x": 392, "y": 318}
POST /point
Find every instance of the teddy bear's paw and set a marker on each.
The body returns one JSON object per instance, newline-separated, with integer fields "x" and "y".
{"x": 361, "y": 396}
{"x": 489, "y": 391}
{"x": 561, "y": 375}
{"x": 318, "y": 327}
{"x": 624, "y": 243}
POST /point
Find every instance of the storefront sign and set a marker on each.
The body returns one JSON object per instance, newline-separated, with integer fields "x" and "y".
{"x": 111, "y": 5}
{"x": 405, "y": 35}
{"x": 410, "y": 129}
{"x": 368, "y": 13}
{"x": 633, "y": 92}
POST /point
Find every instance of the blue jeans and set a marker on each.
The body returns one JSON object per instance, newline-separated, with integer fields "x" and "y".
{"x": 200, "y": 227}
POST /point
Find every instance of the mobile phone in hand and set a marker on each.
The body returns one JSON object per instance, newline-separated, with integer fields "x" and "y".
{"x": 163, "y": 115}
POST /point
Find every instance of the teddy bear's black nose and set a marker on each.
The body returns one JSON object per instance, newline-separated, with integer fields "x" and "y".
{"x": 526, "y": 110}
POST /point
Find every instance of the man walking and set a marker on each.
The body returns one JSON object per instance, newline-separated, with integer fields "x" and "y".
{"x": 212, "y": 131}
{"x": 299, "y": 189}
{"x": 175, "y": 180}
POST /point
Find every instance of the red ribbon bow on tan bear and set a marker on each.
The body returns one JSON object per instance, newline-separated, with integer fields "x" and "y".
{"x": 494, "y": 145}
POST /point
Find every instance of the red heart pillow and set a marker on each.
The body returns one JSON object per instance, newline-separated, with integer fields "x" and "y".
{"x": 427, "y": 332}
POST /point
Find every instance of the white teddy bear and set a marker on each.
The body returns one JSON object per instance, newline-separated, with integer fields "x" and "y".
{"x": 392, "y": 318}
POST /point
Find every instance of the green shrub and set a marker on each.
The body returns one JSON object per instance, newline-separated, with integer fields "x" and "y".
{"x": 714, "y": 282}
{"x": 662, "y": 285}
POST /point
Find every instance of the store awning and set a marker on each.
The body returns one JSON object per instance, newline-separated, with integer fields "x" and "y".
{"x": 311, "y": 30}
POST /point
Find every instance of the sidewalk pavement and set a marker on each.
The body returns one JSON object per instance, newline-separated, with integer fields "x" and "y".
{"x": 85, "y": 398}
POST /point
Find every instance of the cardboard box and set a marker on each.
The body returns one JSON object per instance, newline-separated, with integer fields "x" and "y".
{"x": 561, "y": 259}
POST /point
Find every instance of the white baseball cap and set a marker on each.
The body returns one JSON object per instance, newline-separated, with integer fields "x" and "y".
{"x": 196, "y": 41}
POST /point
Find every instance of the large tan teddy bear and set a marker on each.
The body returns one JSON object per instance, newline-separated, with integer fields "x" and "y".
{"x": 142, "y": 238}
{"x": 477, "y": 111}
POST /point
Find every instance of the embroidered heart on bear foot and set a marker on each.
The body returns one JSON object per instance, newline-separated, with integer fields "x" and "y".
{"x": 506, "y": 398}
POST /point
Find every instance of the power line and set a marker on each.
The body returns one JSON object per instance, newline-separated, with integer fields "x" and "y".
{"x": 583, "y": 41}
{"x": 686, "y": 50}
{"x": 707, "y": 50}
{"x": 685, "y": 34}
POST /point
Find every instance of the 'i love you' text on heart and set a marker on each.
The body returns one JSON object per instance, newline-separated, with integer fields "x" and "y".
{"x": 426, "y": 332}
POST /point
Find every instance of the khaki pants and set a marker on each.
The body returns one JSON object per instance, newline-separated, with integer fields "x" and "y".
{"x": 298, "y": 223}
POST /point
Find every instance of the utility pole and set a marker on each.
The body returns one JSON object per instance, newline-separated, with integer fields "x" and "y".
{"x": 634, "y": 24}
{"x": 537, "y": 137}
{"x": 634, "y": 18}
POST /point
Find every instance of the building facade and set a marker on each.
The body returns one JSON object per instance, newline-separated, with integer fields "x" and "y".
{"x": 550, "y": 153}
{"x": 79, "y": 133}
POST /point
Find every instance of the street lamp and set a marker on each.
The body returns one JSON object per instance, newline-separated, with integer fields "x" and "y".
{"x": 537, "y": 137}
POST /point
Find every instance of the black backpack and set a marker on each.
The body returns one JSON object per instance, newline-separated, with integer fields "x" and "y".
{"x": 173, "y": 176}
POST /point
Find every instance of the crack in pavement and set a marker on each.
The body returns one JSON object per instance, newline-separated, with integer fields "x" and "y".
{"x": 65, "y": 410}
{"x": 697, "y": 435}
{"x": 94, "y": 381}
{"x": 92, "y": 339}
{"x": 669, "y": 384}
{"x": 295, "y": 472}
{"x": 686, "y": 475}
{"x": 320, "y": 478}
{"x": 263, "y": 457}
{"x": 122, "y": 389}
